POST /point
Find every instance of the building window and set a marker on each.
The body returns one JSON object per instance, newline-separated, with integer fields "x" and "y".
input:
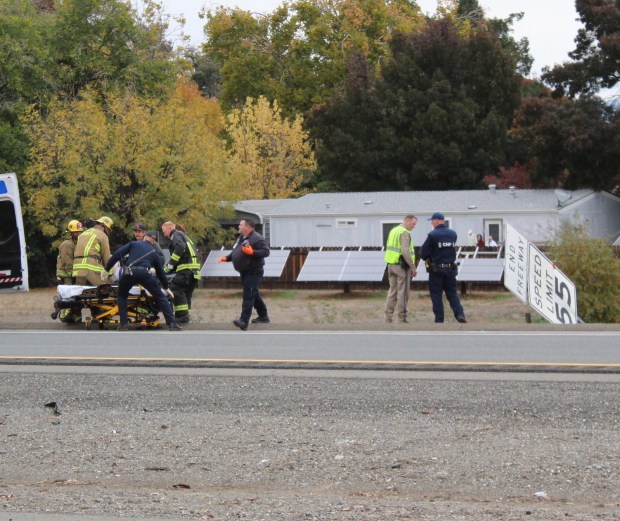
{"x": 387, "y": 228}
{"x": 346, "y": 223}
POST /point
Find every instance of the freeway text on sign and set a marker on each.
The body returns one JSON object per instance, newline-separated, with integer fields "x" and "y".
{"x": 515, "y": 263}
{"x": 551, "y": 293}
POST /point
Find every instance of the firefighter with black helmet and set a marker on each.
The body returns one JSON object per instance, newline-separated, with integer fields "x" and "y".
{"x": 183, "y": 263}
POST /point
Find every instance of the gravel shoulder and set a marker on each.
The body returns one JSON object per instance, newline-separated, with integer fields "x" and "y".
{"x": 313, "y": 309}
{"x": 266, "y": 446}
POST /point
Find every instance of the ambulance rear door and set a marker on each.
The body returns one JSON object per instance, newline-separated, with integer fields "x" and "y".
{"x": 13, "y": 261}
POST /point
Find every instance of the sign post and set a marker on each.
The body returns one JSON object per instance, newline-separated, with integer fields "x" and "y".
{"x": 516, "y": 263}
{"x": 551, "y": 293}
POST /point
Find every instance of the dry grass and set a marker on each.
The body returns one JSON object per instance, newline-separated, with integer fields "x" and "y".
{"x": 310, "y": 307}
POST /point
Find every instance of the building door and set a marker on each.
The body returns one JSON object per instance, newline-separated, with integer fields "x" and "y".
{"x": 493, "y": 227}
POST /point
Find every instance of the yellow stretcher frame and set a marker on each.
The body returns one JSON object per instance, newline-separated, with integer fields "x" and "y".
{"x": 99, "y": 306}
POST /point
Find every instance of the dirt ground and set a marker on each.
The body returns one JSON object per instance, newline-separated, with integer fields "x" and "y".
{"x": 298, "y": 307}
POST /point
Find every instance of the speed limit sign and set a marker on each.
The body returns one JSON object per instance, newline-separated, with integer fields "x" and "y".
{"x": 551, "y": 293}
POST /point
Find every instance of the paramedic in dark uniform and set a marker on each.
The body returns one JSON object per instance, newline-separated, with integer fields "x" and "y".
{"x": 141, "y": 261}
{"x": 248, "y": 258}
{"x": 439, "y": 252}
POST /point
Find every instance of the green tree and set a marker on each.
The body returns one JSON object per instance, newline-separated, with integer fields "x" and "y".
{"x": 569, "y": 143}
{"x": 297, "y": 54}
{"x": 131, "y": 158}
{"x": 24, "y": 66}
{"x": 469, "y": 15}
{"x": 593, "y": 268}
{"x": 103, "y": 44}
{"x": 270, "y": 153}
{"x": 437, "y": 117}
{"x": 596, "y": 58}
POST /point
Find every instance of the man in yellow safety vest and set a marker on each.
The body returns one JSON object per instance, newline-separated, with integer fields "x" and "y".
{"x": 400, "y": 259}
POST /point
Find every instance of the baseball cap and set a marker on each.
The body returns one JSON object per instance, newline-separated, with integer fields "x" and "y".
{"x": 152, "y": 235}
{"x": 140, "y": 228}
{"x": 437, "y": 215}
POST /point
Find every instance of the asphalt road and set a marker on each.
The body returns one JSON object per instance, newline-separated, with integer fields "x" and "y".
{"x": 542, "y": 350}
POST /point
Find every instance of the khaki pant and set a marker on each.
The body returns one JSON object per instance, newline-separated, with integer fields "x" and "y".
{"x": 92, "y": 278}
{"x": 398, "y": 294}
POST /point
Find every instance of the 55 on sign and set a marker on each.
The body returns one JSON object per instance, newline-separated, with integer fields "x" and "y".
{"x": 551, "y": 293}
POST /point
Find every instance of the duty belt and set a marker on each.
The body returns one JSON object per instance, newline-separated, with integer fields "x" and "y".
{"x": 129, "y": 270}
{"x": 445, "y": 265}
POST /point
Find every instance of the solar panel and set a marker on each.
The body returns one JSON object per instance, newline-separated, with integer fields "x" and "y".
{"x": 343, "y": 266}
{"x": 470, "y": 270}
{"x": 481, "y": 270}
{"x": 422, "y": 274}
{"x": 274, "y": 264}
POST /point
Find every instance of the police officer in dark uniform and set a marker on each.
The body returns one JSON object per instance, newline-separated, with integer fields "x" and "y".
{"x": 141, "y": 260}
{"x": 439, "y": 252}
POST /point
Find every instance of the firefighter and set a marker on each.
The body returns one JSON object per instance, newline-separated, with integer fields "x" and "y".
{"x": 183, "y": 263}
{"x": 64, "y": 262}
{"x": 92, "y": 252}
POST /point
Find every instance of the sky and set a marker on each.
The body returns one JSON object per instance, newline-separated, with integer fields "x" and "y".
{"x": 550, "y": 25}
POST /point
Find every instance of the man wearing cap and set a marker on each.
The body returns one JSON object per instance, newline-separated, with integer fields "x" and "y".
{"x": 139, "y": 232}
{"x": 92, "y": 252}
{"x": 151, "y": 238}
{"x": 400, "y": 260}
{"x": 439, "y": 252}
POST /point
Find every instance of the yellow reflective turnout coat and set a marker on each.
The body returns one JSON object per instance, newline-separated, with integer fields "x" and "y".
{"x": 92, "y": 252}
{"x": 64, "y": 262}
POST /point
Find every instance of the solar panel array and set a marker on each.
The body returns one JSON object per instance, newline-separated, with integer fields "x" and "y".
{"x": 351, "y": 266}
{"x": 343, "y": 266}
{"x": 274, "y": 264}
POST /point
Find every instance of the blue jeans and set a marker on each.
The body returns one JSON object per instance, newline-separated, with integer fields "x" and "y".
{"x": 440, "y": 281}
{"x": 251, "y": 296}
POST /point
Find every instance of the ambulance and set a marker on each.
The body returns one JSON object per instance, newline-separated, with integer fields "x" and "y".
{"x": 13, "y": 261}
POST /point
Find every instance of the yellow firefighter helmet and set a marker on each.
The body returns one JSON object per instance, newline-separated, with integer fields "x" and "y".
{"x": 74, "y": 226}
{"x": 106, "y": 221}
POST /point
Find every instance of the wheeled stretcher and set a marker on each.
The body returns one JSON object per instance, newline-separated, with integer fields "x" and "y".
{"x": 97, "y": 305}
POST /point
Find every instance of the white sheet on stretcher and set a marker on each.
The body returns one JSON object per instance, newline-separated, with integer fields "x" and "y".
{"x": 67, "y": 291}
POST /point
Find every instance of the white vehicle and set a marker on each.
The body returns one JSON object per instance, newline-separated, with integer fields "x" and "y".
{"x": 13, "y": 261}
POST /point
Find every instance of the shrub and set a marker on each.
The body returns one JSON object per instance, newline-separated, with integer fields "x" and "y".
{"x": 593, "y": 268}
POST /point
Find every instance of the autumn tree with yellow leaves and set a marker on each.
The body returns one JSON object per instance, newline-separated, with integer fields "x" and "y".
{"x": 130, "y": 158}
{"x": 269, "y": 153}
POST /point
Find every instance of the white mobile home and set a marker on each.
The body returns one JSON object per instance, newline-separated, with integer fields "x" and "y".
{"x": 364, "y": 218}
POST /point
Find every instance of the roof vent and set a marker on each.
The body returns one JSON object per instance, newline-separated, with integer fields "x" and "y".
{"x": 472, "y": 207}
{"x": 368, "y": 202}
{"x": 513, "y": 191}
{"x": 562, "y": 197}
{"x": 492, "y": 188}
